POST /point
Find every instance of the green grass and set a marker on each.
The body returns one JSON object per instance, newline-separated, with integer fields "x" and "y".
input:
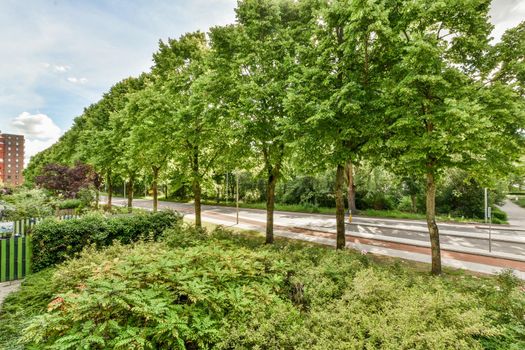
{"x": 396, "y": 214}
{"x": 301, "y": 208}
{"x": 297, "y": 208}
{"x": 390, "y": 214}
{"x": 520, "y": 201}
{"x": 197, "y": 289}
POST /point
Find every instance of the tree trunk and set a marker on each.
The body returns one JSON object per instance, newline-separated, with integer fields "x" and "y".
{"x": 432, "y": 226}
{"x": 97, "y": 198}
{"x": 197, "y": 202}
{"x": 154, "y": 188}
{"x": 110, "y": 192}
{"x": 340, "y": 207}
{"x": 129, "y": 191}
{"x": 196, "y": 187}
{"x": 413, "y": 198}
{"x": 270, "y": 204}
{"x": 349, "y": 170}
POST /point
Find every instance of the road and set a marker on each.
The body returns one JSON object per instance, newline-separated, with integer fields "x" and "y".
{"x": 515, "y": 213}
{"x": 506, "y": 240}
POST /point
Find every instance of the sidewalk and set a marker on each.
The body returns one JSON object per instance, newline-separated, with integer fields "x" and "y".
{"x": 471, "y": 261}
{"x": 320, "y": 229}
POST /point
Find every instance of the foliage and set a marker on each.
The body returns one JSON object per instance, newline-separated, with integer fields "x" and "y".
{"x": 204, "y": 290}
{"x": 18, "y": 307}
{"x": 520, "y": 201}
{"x": 66, "y": 181}
{"x": 27, "y": 203}
{"x": 297, "y": 88}
{"x": 463, "y": 196}
{"x": 55, "y": 241}
{"x": 69, "y": 204}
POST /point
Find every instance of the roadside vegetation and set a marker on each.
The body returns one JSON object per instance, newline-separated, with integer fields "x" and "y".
{"x": 194, "y": 289}
{"x": 414, "y": 94}
{"x": 519, "y": 199}
{"x": 389, "y": 108}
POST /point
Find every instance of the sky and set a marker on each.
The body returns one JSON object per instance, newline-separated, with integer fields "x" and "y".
{"x": 59, "y": 56}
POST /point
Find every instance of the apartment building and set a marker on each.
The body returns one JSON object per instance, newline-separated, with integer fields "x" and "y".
{"x": 11, "y": 159}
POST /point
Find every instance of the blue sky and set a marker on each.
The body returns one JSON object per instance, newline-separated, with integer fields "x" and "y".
{"x": 59, "y": 56}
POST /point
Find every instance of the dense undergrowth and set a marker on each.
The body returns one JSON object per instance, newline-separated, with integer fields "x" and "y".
{"x": 199, "y": 290}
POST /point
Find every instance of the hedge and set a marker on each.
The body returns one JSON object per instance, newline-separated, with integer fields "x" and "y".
{"x": 55, "y": 241}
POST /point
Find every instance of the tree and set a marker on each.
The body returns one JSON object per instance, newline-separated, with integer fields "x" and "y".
{"x": 335, "y": 96}
{"x": 96, "y": 142}
{"x": 66, "y": 181}
{"x": 149, "y": 116}
{"x": 257, "y": 58}
{"x": 120, "y": 129}
{"x": 506, "y": 63}
{"x": 439, "y": 115}
{"x": 199, "y": 130}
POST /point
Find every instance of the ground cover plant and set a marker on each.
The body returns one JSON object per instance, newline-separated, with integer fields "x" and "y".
{"x": 221, "y": 290}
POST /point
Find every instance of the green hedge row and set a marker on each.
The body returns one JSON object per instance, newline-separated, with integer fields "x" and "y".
{"x": 55, "y": 241}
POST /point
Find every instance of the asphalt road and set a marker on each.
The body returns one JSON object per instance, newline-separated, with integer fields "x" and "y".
{"x": 516, "y": 214}
{"x": 505, "y": 239}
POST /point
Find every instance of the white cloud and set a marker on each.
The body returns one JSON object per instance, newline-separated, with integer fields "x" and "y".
{"x": 76, "y": 80}
{"x": 57, "y": 68}
{"x": 36, "y": 126}
{"x": 61, "y": 69}
{"x": 39, "y": 130}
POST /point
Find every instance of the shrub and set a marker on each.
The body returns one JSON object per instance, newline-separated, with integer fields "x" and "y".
{"x": 54, "y": 241}
{"x": 499, "y": 214}
{"x": 157, "y": 297}
{"x": 69, "y": 204}
{"x": 221, "y": 290}
{"x": 405, "y": 204}
{"x": 24, "y": 203}
{"x": 19, "y": 307}
{"x": 201, "y": 290}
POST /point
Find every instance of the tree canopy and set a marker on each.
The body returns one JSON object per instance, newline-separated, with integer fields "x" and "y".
{"x": 416, "y": 86}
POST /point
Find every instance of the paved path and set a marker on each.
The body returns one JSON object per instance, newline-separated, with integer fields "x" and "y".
{"x": 516, "y": 214}
{"x": 6, "y": 288}
{"x": 463, "y": 245}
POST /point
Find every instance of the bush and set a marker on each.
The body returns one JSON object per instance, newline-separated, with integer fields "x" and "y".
{"x": 24, "y": 203}
{"x": 69, "y": 204}
{"x": 201, "y": 290}
{"x": 156, "y": 297}
{"x": 54, "y": 241}
{"x": 499, "y": 216}
{"x": 405, "y": 204}
{"x": 461, "y": 196}
{"x": 19, "y": 307}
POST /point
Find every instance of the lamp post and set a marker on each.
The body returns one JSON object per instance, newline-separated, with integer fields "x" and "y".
{"x": 486, "y": 205}
{"x": 237, "y": 196}
{"x": 489, "y": 214}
